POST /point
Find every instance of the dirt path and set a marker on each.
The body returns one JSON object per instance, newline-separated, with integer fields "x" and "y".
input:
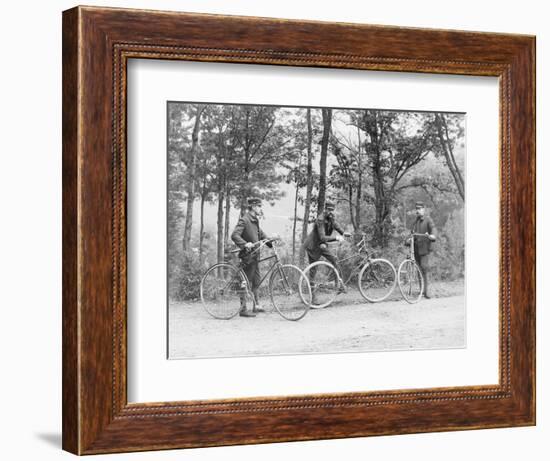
{"x": 348, "y": 325}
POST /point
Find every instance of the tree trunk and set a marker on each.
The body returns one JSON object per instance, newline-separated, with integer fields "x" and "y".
{"x": 294, "y": 225}
{"x": 359, "y": 185}
{"x": 220, "y": 226}
{"x": 380, "y": 231}
{"x": 309, "y": 187}
{"x": 220, "y": 161}
{"x": 201, "y": 236}
{"x": 380, "y": 237}
{"x": 227, "y": 210}
{"x": 191, "y": 184}
{"x": 327, "y": 121}
{"x": 446, "y": 146}
{"x": 245, "y": 191}
{"x": 381, "y": 209}
{"x": 350, "y": 201}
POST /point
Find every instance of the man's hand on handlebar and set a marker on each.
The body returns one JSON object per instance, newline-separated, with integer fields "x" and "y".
{"x": 430, "y": 236}
{"x": 425, "y": 235}
{"x": 249, "y": 246}
{"x": 340, "y": 238}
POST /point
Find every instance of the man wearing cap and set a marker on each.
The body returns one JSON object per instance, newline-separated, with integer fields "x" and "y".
{"x": 423, "y": 245}
{"x": 316, "y": 242}
{"x": 245, "y": 235}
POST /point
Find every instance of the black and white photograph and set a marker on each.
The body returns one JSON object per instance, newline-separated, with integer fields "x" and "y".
{"x": 311, "y": 230}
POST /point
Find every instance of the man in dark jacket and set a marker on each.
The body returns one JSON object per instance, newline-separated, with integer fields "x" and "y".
{"x": 316, "y": 242}
{"x": 245, "y": 235}
{"x": 423, "y": 244}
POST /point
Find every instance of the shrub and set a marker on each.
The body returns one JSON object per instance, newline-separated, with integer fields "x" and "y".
{"x": 185, "y": 278}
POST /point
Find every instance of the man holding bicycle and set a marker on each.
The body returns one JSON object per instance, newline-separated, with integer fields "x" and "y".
{"x": 316, "y": 242}
{"x": 246, "y": 235}
{"x": 423, "y": 244}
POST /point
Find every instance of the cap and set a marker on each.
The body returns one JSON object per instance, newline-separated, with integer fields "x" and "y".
{"x": 253, "y": 201}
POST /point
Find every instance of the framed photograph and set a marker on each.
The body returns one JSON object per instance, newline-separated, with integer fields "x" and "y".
{"x": 281, "y": 230}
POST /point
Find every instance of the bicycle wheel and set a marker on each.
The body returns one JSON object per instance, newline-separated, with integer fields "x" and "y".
{"x": 288, "y": 287}
{"x": 323, "y": 280}
{"x": 222, "y": 287}
{"x": 377, "y": 280}
{"x": 410, "y": 280}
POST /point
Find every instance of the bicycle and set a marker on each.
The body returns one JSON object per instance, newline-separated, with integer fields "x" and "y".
{"x": 224, "y": 284}
{"x": 376, "y": 277}
{"x": 410, "y": 279}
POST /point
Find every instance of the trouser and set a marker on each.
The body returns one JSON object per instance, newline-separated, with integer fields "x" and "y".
{"x": 424, "y": 264}
{"x": 315, "y": 256}
{"x": 251, "y": 267}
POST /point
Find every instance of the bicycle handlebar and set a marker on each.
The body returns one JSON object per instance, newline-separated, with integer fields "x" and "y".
{"x": 361, "y": 244}
{"x": 414, "y": 234}
{"x": 257, "y": 245}
{"x": 362, "y": 234}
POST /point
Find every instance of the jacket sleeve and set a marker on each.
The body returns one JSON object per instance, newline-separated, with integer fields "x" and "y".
{"x": 337, "y": 227}
{"x": 264, "y": 236}
{"x": 323, "y": 238}
{"x": 237, "y": 233}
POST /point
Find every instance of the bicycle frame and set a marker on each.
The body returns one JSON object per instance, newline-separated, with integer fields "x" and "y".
{"x": 361, "y": 246}
{"x": 411, "y": 248}
{"x": 276, "y": 263}
{"x": 357, "y": 267}
{"x": 411, "y": 238}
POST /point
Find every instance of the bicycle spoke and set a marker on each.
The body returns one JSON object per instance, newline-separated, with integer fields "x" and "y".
{"x": 223, "y": 289}
{"x": 290, "y": 292}
{"x": 377, "y": 280}
{"x": 410, "y": 281}
{"x": 323, "y": 279}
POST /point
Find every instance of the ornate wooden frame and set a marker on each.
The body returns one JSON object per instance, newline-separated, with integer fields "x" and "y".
{"x": 97, "y": 43}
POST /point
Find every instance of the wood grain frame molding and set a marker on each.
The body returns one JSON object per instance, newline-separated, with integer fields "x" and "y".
{"x": 97, "y": 44}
